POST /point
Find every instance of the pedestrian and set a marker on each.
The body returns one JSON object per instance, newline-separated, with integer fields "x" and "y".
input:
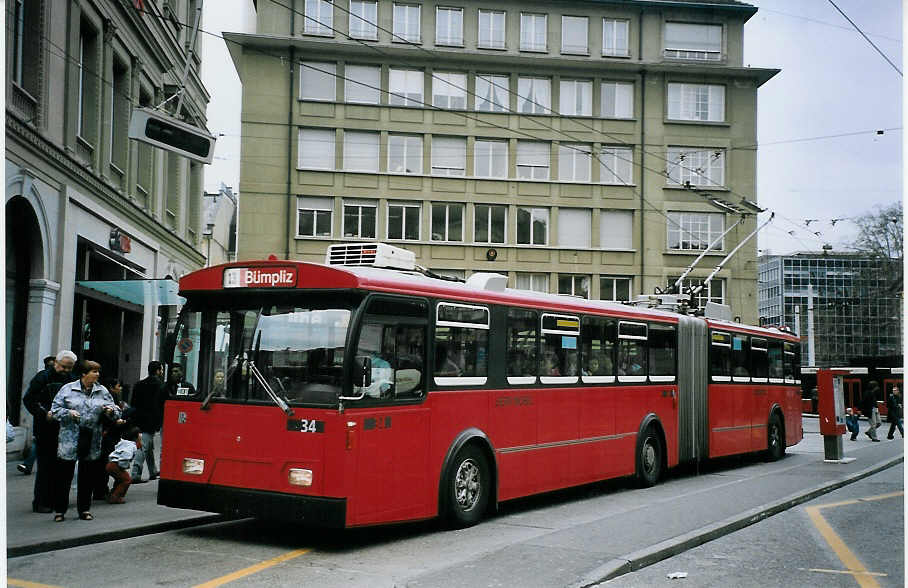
{"x": 38, "y": 400}
{"x": 111, "y": 430}
{"x": 894, "y": 412}
{"x": 78, "y": 407}
{"x": 176, "y": 385}
{"x": 851, "y": 423}
{"x": 29, "y": 462}
{"x": 870, "y": 410}
{"x": 148, "y": 397}
{"x": 118, "y": 465}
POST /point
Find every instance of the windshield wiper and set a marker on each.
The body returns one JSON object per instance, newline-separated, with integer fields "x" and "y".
{"x": 274, "y": 397}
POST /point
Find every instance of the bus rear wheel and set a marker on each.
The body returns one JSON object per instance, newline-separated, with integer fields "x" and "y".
{"x": 649, "y": 458}
{"x": 775, "y": 442}
{"x": 467, "y": 487}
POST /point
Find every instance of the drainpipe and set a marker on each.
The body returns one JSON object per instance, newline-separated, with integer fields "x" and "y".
{"x": 290, "y": 95}
{"x": 642, "y": 149}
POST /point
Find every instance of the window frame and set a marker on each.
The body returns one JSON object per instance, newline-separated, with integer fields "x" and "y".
{"x": 529, "y": 98}
{"x": 406, "y": 35}
{"x": 490, "y": 156}
{"x": 313, "y": 201}
{"x": 574, "y": 285}
{"x": 375, "y": 153}
{"x": 492, "y": 13}
{"x": 446, "y": 80}
{"x": 490, "y": 223}
{"x": 532, "y": 211}
{"x": 606, "y": 52}
{"x": 630, "y": 336}
{"x": 622, "y": 160}
{"x": 691, "y": 53}
{"x": 406, "y": 153}
{"x": 614, "y": 280}
{"x": 317, "y": 25}
{"x": 525, "y": 160}
{"x": 566, "y": 326}
{"x": 327, "y": 152}
{"x": 447, "y": 236}
{"x": 318, "y": 68}
{"x": 405, "y": 207}
{"x": 614, "y": 113}
{"x": 687, "y": 224}
{"x": 483, "y": 326}
{"x": 360, "y": 205}
{"x": 373, "y": 87}
{"x": 571, "y": 50}
{"x": 361, "y": 31}
{"x": 582, "y": 92}
{"x": 681, "y": 171}
{"x": 688, "y": 103}
{"x": 580, "y": 157}
{"x": 400, "y": 95}
{"x": 494, "y": 88}
{"x": 439, "y": 150}
{"x": 457, "y": 39}
{"x": 535, "y": 16}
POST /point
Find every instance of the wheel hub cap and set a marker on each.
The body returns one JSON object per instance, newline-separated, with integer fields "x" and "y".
{"x": 467, "y": 485}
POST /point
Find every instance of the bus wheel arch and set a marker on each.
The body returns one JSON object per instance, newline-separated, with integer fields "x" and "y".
{"x": 470, "y": 460}
{"x": 775, "y": 434}
{"x": 650, "y": 461}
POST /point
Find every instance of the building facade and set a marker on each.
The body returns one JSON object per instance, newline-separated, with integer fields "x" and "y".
{"x": 857, "y": 305}
{"x": 95, "y": 221}
{"x": 220, "y": 225}
{"x": 573, "y": 146}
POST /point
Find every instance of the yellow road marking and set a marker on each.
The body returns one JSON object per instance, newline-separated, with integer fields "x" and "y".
{"x": 27, "y": 584}
{"x": 253, "y": 569}
{"x": 856, "y": 569}
{"x": 821, "y": 570}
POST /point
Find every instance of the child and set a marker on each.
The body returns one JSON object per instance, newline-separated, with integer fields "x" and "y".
{"x": 119, "y": 463}
{"x": 851, "y": 423}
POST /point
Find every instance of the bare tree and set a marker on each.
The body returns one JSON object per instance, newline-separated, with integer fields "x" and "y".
{"x": 880, "y": 233}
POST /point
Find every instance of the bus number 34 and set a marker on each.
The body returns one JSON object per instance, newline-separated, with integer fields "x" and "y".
{"x": 306, "y": 425}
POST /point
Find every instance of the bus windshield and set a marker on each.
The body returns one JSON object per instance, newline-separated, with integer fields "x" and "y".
{"x": 291, "y": 349}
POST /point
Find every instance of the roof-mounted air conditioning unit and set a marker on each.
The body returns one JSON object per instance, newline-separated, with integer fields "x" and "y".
{"x": 372, "y": 255}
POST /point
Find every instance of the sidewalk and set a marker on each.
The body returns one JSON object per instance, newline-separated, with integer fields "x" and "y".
{"x": 29, "y": 532}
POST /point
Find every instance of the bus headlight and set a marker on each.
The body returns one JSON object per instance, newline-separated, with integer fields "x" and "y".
{"x": 300, "y": 477}
{"x": 193, "y": 466}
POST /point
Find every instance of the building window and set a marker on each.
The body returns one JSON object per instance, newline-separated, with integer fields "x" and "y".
{"x": 359, "y": 220}
{"x": 697, "y": 167}
{"x": 491, "y": 29}
{"x": 119, "y": 118}
{"x": 617, "y": 100}
{"x": 319, "y": 18}
{"x": 490, "y": 159}
{"x": 533, "y": 282}
{"x": 449, "y": 26}
{"x": 703, "y": 102}
{"x": 616, "y": 229}
{"x": 86, "y": 123}
{"x": 316, "y": 149}
{"x": 614, "y": 37}
{"x": 533, "y": 32}
{"x": 695, "y": 230}
{"x": 26, "y": 46}
{"x": 314, "y": 216}
{"x": 574, "y": 34}
{"x": 714, "y": 291}
{"x": 534, "y": 95}
{"x": 18, "y": 40}
{"x": 489, "y": 223}
{"x": 492, "y": 92}
{"x": 406, "y": 23}
{"x": 574, "y": 285}
{"x": 318, "y": 81}
{"x": 403, "y": 222}
{"x": 364, "y": 19}
{"x": 574, "y": 162}
{"x": 574, "y": 227}
{"x": 532, "y": 226}
{"x": 361, "y": 151}
{"x": 447, "y": 222}
{"x": 405, "y": 87}
{"x": 693, "y": 41}
{"x": 533, "y": 160}
{"x": 449, "y": 156}
{"x": 145, "y": 167}
{"x": 405, "y": 154}
{"x": 362, "y": 84}
{"x": 616, "y": 165}
{"x": 615, "y": 288}
{"x": 449, "y": 90}
{"x": 576, "y": 98}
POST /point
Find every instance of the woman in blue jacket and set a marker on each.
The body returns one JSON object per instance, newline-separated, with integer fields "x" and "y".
{"x": 78, "y": 407}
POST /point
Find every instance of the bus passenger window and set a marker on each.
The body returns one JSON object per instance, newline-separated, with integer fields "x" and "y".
{"x": 720, "y": 356}
{"x": 740, "y": 356}
{"x": 598, "y": 337}
{"x": 776, "y": 369}
{"x": 632, "y": 350}
{"x": 461, "y": 344}
{"x": 521, "y": 340}
{"x": 759, "y": 360}
{"x": 560, "y": 334}
{"x": 791, "y": 361}
{"x": 662, "y": 344}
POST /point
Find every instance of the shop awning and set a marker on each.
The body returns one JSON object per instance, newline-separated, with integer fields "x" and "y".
{"x": 137, "y": 292}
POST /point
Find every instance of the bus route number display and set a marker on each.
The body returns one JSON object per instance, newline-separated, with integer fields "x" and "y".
{"x": 306, "y": 425}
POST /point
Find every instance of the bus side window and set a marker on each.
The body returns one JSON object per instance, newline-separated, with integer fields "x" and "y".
{"x": 776, "y": 369}
{"x": 560, "y": 337}
{"x": 791, "y": 362}
{"x": 662, "y": 343}
{"x": 461, "y": 344}
{"x": 759, "y": 360}
{"x": 521, "y": 340}
{"x": 632, "y": 350}
{"x": 740, "y": 356}
{"x": 598, "y": 337}
{"x": 720, "y": 356}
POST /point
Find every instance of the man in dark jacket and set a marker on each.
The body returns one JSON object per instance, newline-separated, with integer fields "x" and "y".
{"x": 894, "y": 412}
{"x": 869, "y": 410}
{"x": 148, "y": 405}
{"x": 38, "y": 400}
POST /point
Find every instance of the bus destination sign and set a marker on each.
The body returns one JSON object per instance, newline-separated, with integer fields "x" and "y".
{"x": 260, "y": 277}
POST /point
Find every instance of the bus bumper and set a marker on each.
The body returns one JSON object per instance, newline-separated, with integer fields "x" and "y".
{"x": 240, "y": 502}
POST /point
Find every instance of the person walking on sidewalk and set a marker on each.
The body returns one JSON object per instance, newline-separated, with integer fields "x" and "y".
{"x": 38, "y": 400}
{"x": 119, "y": 463}
{"x": 870, "y": 410}
{"x": 894, "y": 412}
{"x": 29, "y": 462}
{"x": 78, "y": 407}
{"x": 148, "y": 397}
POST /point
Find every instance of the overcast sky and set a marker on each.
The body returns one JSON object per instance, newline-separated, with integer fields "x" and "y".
{"x": 832, "y": 82}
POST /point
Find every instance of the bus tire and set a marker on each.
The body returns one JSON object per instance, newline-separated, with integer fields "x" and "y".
{"x": 468, "y": 485}
{"x": 649, "y": 457}
{"x": 775, "y": 438}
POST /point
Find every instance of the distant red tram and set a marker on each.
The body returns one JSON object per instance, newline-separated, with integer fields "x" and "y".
{"x": 345, "y": 395}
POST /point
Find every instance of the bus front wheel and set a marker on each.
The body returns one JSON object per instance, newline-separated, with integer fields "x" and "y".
{"x": 467, "y": 487}
{"x": 649, "y": 458}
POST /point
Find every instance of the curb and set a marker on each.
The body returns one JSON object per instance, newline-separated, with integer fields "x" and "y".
{"x": 671, "y": 547}
{"x": 104, "y": 536}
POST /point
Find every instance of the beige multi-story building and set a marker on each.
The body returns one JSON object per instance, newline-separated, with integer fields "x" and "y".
{"x": 575, "y": 146}
{"x": 92, "y": 217}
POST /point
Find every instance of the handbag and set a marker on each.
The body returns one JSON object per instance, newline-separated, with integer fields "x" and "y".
{"x": 83, "y": 448}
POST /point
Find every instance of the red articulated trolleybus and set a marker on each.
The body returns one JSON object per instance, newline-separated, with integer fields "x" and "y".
{"x": 364, "y": 391}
